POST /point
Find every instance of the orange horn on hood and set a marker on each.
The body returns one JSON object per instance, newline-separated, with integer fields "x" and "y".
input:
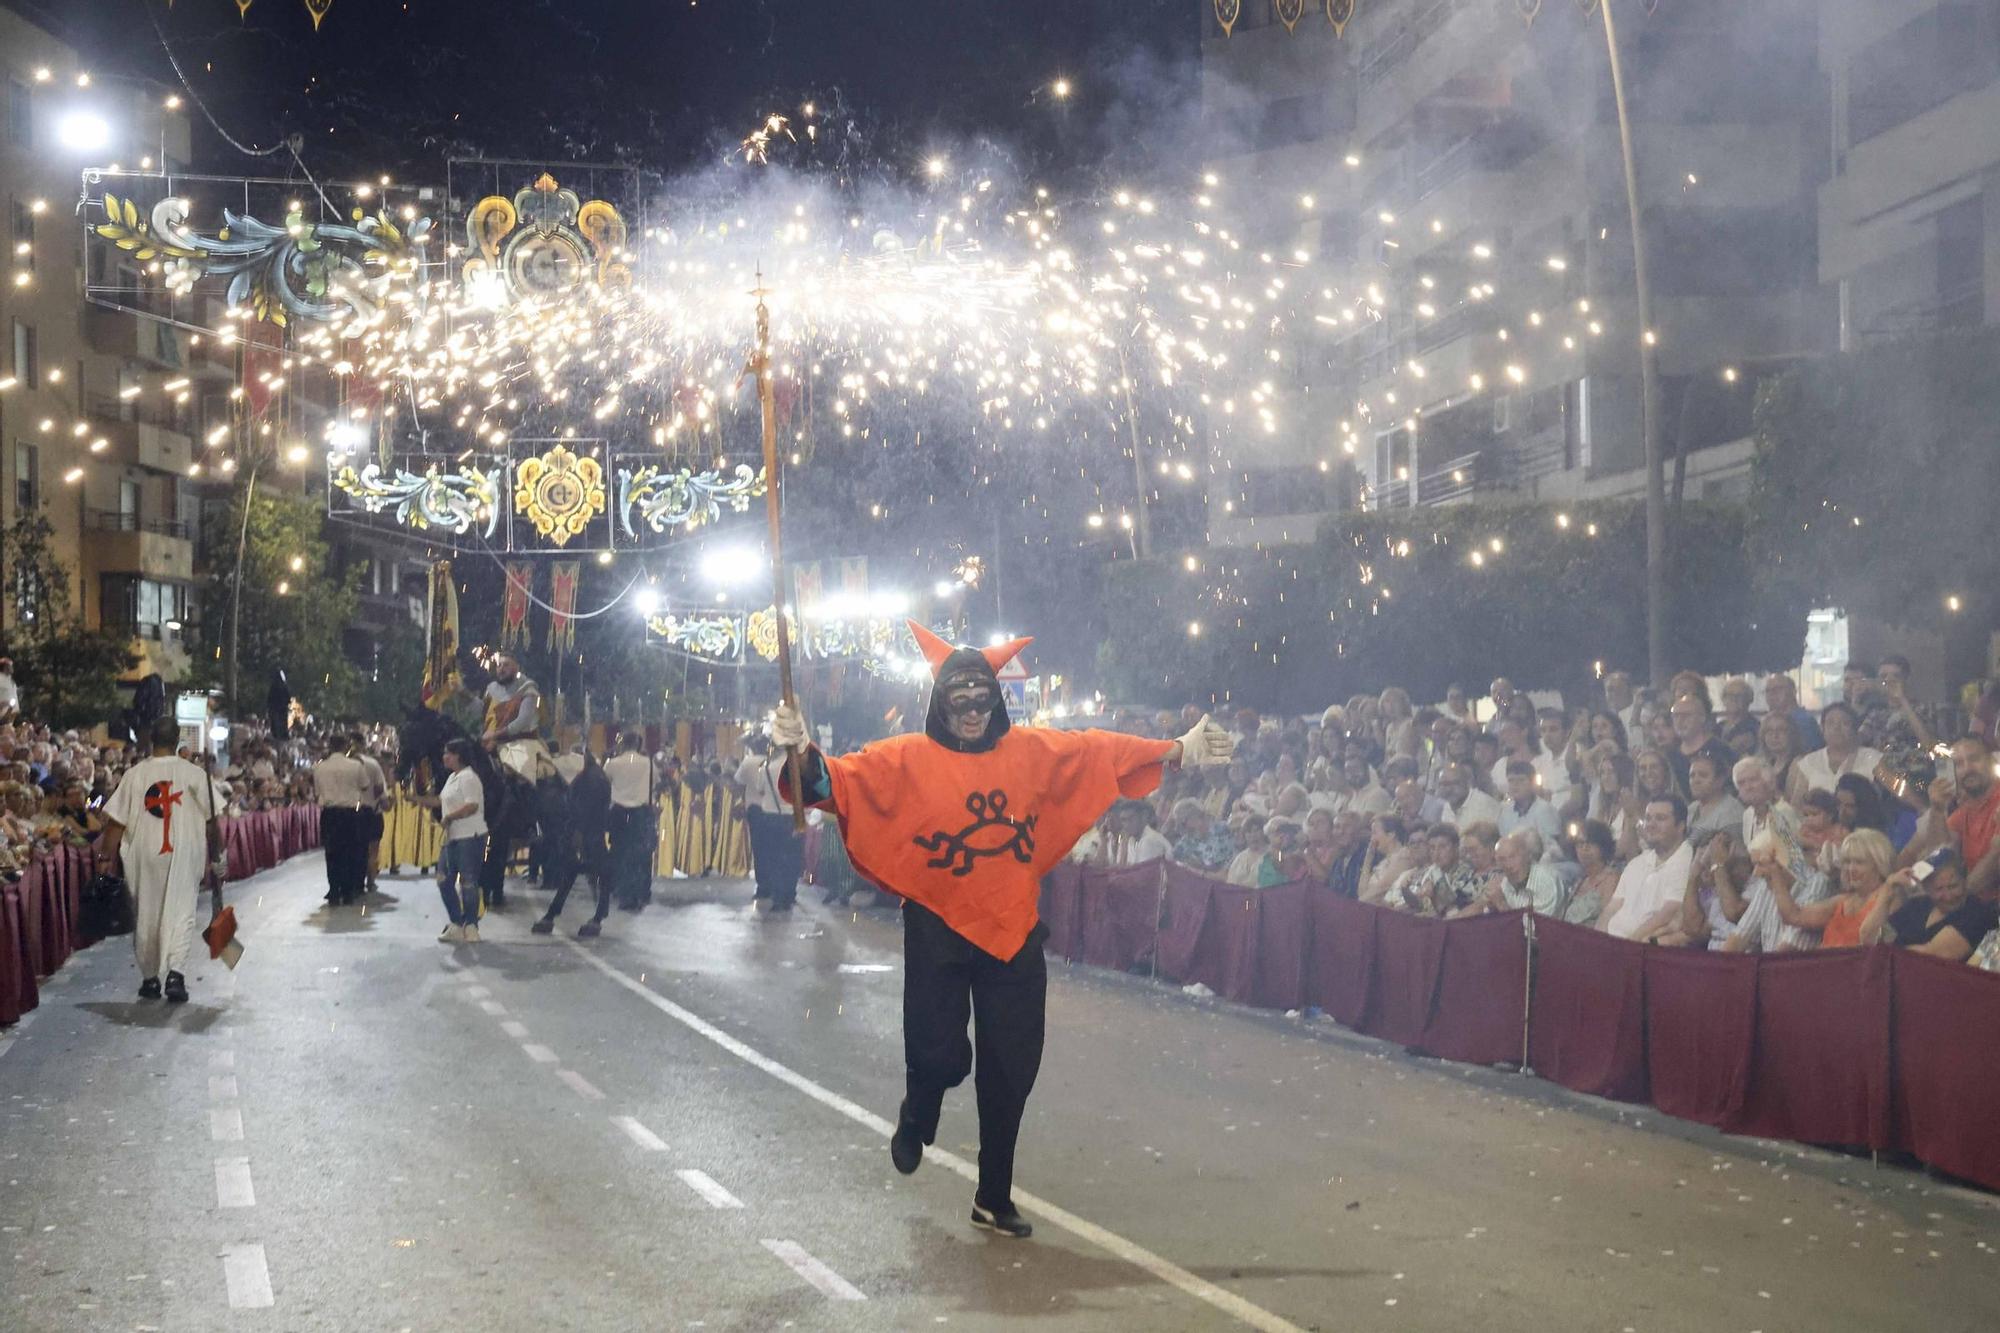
{"x": 1005, "y": 653}
{"x": 934, "y": 649}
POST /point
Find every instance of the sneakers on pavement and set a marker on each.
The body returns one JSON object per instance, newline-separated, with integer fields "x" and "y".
{"x": 906, "y": 1145}
{"x": 471, "y": 935}
{"x": 451, "y": 935}
{"x": 1003, "y": 1221}
{"x": 177, "y": 988}
{"x": 149, "y": 989}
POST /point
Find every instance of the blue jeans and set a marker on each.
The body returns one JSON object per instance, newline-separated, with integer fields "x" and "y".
{"x": 458, "y": 879}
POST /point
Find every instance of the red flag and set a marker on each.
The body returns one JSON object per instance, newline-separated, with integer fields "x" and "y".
{"x": 514, "y": 612}
{"x": 562, "y": 596}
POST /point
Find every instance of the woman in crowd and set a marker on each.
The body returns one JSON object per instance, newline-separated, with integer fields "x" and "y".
{"x": 1778, "y": 746}
{"x": 1397, "y": 721}
{"x": 1652, "y": 780}
{"x": 1201, "y": 842}
{"x": 1863, "y": 804}
{"x": 1614, "y": 802}
{"x": 1320, "y": 850}
{"x": 1659, "y": 729}
{"x": 1843, "y": 752}
{"x": 1248, "y": 830}
{"x": 1864, "y": 859}
{"x": 1711, "y": 805}
{"x": 1476, "y": 844}
{"x": 1597, "y": 855}
{"x": 1390, "y": 857}
{"x": 1933, "y": 915}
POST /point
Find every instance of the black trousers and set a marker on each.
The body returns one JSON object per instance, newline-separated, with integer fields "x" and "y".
{"x": 777, "y": 857}
{"x": 493, "y": 870}
{"x": 946, "y": 980}
{"x": 344, "y": 835}
{"x": 633, "y": 835}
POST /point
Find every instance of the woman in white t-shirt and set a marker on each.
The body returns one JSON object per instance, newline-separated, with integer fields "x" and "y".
{"x": 462, "y": 803}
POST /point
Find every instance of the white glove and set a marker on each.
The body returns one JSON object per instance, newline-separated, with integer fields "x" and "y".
{"x": 788, "y": 728}
{"x": 1206, "y": 745}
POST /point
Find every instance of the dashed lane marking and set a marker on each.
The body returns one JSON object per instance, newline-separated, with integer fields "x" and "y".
{"x": 515, "y": 1029}
{"x": 493, "y": 1007}
{"x": 580, "y": 1085}
{"x": 639, "y": 1134}
{"x": 539, "y": 1053}
{"x": 225, "y": 1124}
{"x": 829, "y": 1283}
{"x": 222, "y": 1087}
{"x": 249, "y": 1279}
{"x": 704, "y": 1184}
{"x": 1228, "y": 1302}
{"x": 232, "y": 1183}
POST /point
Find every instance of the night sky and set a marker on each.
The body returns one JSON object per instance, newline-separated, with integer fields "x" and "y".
{"x": 399, "y": 86}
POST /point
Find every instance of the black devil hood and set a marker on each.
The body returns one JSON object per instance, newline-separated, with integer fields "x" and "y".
{"x": 964, "y": 663}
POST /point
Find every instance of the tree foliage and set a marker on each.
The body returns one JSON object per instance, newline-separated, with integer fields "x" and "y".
{"x": 68, "y": 672}
{"x": 395, "y": 679}
{"x": 1543, "y": 593}
{"x": 1875, "y": 472}
{"x": 294, "y": 608}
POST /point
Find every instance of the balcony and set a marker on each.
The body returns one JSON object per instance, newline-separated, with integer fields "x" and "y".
{"x": 140, "y": 443}
{"x": 1458, "y": 479}
{"x": 121, "y": 543}
{"x": 123, "y": 334}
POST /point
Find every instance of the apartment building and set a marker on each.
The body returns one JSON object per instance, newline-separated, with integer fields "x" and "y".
{"x": 90, "y": 432}
{"x": 1457, "y": 172}
{"x": 1909, "y": 224}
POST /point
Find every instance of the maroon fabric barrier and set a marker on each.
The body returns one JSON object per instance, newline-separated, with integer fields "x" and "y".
{"x": 1482, "y": 987}
{"x": 1062, "y": 894}
{"x": 1120, "y": 913}
{"x": 1341, "y": 975}
{"x": 1284, "y": 937}
{"x": 1186, "y": 920}
{"x": 1946, "y": 1088}
{"x": 34, "y": 940}
{"x": 1701, "y": 1013}
{"x": 18, "y": 993}
{"x": 1409, "y": 951}
{"x": 1588, "y": 1026}
{"x": 1820, "y": 1061}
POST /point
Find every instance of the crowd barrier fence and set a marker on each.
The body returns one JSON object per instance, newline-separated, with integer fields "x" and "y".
{"x": 1878, "y": 1048}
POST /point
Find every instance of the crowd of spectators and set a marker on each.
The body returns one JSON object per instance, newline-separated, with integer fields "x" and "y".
{"x": 1729, "y": 818}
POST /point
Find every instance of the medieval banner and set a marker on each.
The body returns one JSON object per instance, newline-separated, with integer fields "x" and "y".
{"x": 441, "y": 651}
{"x": 562, "y": 597}
{"x": 514, "y": 612}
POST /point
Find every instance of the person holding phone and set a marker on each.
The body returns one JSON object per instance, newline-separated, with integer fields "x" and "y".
{"x": 1925, "y": 909}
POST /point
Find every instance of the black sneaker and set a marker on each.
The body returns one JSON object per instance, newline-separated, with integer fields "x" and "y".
{"x": 1005, "y": 1221}
{"x": 149, "y": 989}
{"x": 589, "y": 930}
{"x": 906, "y": 1145}
{"x": 542, "y": 927}
{"x": 177, "y": 988}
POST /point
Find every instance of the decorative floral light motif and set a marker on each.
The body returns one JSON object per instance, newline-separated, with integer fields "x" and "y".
{"x": 559, "y": 493}
{"x": 452, "y": 502}
{"x": 719, "y": 636}
{"x": 661, "y": 499}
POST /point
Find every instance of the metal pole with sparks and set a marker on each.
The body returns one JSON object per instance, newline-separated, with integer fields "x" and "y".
{"x": 760, "y": 363}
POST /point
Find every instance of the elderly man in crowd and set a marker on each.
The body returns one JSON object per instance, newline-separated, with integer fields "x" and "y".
{"x": 1781, "y": 699}
{"x": 1522, "y": 878}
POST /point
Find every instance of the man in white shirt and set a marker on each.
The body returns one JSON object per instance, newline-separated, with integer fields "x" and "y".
{"x": 633, "y": 831}
{"x": 1654, "y": 885}
{"x": 1364, "y": 796}
{"x": 1134, "y": 840}
{"x": 1622, "y": 700}
{"x": 462, "y": 805}
{"x": 1551, "y": 769}
{"x": 1464, "y": 805}
{"x": 345, "y": 791}
{"x": 158, "y": 824}
{"x": 1525, "y": 807}
{"x": 777, "y": 853}
{"x": 1842, "y": 754}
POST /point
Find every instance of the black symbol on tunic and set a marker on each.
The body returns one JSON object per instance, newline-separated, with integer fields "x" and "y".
{"x": 990, "y": 833}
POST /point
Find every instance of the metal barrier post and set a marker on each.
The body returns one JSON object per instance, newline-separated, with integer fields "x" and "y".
{"x": 1527, "y": 989}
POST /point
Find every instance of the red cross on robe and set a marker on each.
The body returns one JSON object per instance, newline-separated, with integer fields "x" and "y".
{"x": 161, "y": 798}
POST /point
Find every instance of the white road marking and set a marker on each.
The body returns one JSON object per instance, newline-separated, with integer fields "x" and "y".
{"x": 639, "y": 1134}
{"x": 515, "y": 1029}
{"x": 829, "y": 1283}
{"x": 705, "y": 1185}
{"x": 249, "y": 1280}
{"x": 477, "y": 992}
{"x": 232, "y": 1183}
{"x": 1228, "y": 1302}
{"x": 6, "y": 1045}
{"x": 222, "y": 1087}
{"x": 225, "y": 1124}
{"x": 493, "y": 1007}
{"x": 539, "y": 1053}
{"x": 222, "y": 1060}
{"x": 580, "y": 1085}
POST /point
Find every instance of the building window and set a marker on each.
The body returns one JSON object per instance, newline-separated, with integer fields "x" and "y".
{"x": 20, "y": 113}
{"x": 23, "y": 249}
{"x": 1948, "y": 50}
{"x": 27, "y": 356}
{"x": 27, "y": 477}
{"x": 142, "y": 608}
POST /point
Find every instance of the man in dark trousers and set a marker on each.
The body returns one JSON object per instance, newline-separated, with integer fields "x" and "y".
{"x": 576, "y": 842}
{"x": 344, "y": 788}
{"x": 962, "y": 821}
{"x": 634, "y": 833}
{"x": 777, "y": 853}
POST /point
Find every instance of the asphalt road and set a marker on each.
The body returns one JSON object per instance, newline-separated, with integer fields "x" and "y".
{"x": 680, "y": 1125}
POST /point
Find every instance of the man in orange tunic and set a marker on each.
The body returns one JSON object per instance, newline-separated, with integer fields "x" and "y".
{"x": 961, "y": 822}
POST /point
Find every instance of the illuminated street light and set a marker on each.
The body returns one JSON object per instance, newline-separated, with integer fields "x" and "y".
{"x": 730, "y": 566}
{"x": 84, "y": 132}
{"x": 646, "y": 602}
